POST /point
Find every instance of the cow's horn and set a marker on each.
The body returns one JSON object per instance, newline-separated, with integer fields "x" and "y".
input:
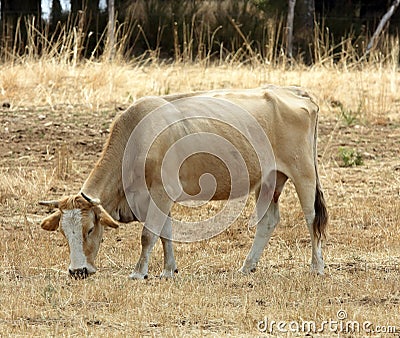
{"x": 53, "y": 203}
{"x": 93, "y": 201}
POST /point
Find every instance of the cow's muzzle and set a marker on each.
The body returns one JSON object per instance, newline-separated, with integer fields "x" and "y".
{"x": 79, "y": 273}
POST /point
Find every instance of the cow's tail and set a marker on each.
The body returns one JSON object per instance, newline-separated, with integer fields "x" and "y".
{"x": 321, "y": 213}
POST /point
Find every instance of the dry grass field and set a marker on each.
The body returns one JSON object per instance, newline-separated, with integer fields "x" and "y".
{"x": 53, "y": 122}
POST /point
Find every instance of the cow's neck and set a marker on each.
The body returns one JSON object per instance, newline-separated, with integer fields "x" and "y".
{"x": 104, "y": 183}
{"x": 105, "y": 180}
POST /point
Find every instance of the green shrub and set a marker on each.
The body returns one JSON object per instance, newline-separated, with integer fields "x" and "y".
{"x": 350, "y": 157}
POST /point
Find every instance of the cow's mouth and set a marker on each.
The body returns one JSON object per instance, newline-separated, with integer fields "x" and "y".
{"x": 79, "y": 273}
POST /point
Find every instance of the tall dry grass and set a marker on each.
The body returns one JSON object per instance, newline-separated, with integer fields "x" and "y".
{"x": 59, "y": 101}
{"x": 52, "y": 72}
{"x": 371, "y": 92}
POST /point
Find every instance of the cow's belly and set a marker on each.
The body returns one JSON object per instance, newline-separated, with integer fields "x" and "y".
{"x": 206, "y": 177}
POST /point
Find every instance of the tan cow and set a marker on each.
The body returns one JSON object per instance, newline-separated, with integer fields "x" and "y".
{"x": 132, "y": 179}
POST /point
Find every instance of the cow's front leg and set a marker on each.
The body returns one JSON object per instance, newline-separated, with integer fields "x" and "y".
{"x": 148, "y": 239}
{"x": 156, "y": 220}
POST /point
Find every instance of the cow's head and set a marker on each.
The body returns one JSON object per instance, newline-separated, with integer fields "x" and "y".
{"x": 81, "y": 220}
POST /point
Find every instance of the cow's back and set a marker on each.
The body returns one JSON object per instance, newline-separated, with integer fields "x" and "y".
{"x": 287, "y": 116}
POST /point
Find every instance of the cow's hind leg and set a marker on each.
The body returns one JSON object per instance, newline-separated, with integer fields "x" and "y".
{"x": 306, "y": 190}
{"x": 156, "y": 219}
{"x": 169, "y": 258}
{"x": 268, "y": 221}
{"x": 265, "y": 228}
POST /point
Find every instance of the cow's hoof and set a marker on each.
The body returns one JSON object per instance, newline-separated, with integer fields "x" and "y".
{"x": 167, "y": 273}
{"x": 138, "y": 275}
{"x": 247, "y": 269}
{"x": 317, "y": 270}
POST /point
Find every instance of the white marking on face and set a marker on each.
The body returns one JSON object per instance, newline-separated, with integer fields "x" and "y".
{"x": 71, "y": 223}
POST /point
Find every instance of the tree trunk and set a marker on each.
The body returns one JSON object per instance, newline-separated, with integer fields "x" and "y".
{"x": 304, "y": 28}
{"x": 382, "y": 23}
{"x": 289, "y": 27}
{"x": 86, "y": 18}
{"x": 55, "y": 12}
{"x": 111, "y": 26}
{"x": 90, "y": 6}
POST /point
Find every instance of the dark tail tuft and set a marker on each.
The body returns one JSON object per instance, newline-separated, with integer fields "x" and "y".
{"x": 321, "y": 213}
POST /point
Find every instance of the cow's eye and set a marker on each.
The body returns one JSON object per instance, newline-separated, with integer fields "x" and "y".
{"x": 90, "y": 230}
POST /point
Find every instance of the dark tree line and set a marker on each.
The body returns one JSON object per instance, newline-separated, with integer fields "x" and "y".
{"x": 221, "y": 25}
{"x": 13, "y": 12}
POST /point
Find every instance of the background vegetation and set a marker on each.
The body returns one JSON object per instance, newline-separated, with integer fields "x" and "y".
{"x": 196, "y": 29}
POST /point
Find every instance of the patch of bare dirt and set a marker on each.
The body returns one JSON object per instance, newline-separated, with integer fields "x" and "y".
{"x": 32, "y": 137}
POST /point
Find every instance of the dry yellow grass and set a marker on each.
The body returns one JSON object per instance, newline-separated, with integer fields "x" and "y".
{"x": 54, "y": 104}
{"x": 372, "y": 90}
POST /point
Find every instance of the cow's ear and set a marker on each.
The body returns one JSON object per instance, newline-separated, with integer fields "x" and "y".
{"x": 105, "y": 218}
{"x": 51, "y": 223}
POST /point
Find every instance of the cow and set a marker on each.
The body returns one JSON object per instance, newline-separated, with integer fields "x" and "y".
{"x": 286, "y": 116}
